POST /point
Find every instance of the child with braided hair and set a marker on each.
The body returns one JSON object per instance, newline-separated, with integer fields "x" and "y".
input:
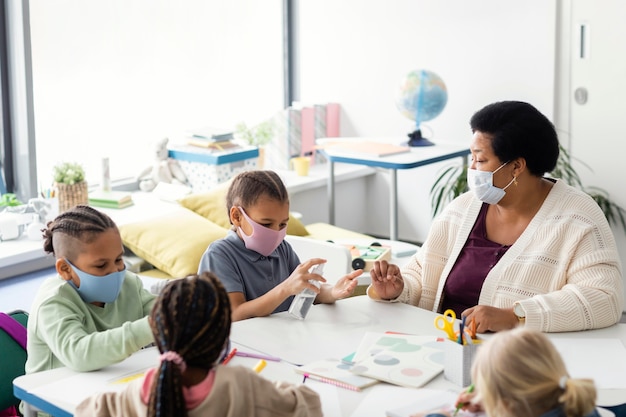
{"x": 94, "y": 312}
{"x": 191, "y": 324}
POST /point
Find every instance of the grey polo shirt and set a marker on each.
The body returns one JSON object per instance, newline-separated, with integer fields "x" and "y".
{"x": 246, "y": 271}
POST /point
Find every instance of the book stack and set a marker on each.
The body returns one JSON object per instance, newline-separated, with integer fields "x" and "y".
{"x": 296, "y": 130}
{"x": 110, "y": 199}
{"x": 211, "y": 138}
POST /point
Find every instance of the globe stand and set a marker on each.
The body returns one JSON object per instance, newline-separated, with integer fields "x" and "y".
{"x": 416, "y": 139}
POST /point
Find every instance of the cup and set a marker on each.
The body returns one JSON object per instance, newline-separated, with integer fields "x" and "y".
{"x": 301, "y": 165}
{"x": 457, "y": 366}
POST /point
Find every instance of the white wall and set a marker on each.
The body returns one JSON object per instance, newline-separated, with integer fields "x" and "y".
{"x": 356, "y": 52}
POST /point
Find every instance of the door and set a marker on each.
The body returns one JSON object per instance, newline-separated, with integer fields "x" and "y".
{"x": 597, "y": 98}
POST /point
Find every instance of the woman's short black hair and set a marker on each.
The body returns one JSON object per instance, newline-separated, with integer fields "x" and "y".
{"x": 517, "y": 129}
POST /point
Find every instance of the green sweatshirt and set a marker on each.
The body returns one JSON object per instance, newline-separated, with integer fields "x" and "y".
{"x": 63, "y": 330}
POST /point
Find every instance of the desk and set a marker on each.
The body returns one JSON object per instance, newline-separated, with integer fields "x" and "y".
{"x": 328, "y": 331}
{"x": 417, "y": 157}
{"x": 60, "y": 390}
{"x": 335, "y": 330}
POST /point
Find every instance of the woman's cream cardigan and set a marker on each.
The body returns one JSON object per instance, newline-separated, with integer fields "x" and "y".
{"x": 564, "y": 269}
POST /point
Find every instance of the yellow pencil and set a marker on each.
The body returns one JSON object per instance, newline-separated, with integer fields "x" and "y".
{"x": 259, "y": 366}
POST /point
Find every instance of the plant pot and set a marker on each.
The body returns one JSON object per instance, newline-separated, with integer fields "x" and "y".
{"x": 71, "y": 195}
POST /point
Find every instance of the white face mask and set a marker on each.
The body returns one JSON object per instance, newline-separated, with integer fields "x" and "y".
{"x": 481, "y": 183}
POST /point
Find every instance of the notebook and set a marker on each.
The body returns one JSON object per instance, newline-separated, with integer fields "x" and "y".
{"x": 336, "y": 372}
{"x": 110, "y": 199}
{"x": 400, "y": 359}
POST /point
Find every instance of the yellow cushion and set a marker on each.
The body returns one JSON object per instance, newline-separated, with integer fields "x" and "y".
{"x": 174, "y": 242}
{"x": 212, "y": 205}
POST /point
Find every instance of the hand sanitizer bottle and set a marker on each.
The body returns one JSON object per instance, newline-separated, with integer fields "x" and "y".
{"x": 302, "y": 302}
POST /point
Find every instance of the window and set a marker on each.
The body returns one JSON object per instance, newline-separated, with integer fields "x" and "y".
{"x": 112, "y": 77}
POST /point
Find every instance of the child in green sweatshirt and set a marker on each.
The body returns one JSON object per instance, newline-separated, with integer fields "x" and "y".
{"x": 94, "y": 313}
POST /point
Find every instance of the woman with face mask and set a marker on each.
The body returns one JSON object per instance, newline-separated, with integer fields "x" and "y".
{"x": 258, "y": 268}
{"x": 94, "y": 313}
{"x": 518, "y": 248}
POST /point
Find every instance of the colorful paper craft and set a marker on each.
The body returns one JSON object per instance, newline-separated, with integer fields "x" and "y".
{"x": 400, "y": 359}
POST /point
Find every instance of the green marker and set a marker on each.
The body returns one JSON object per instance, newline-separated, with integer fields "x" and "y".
{"x": 470, "y": 389}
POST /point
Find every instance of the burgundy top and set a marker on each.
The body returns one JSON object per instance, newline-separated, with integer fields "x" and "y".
{"x": 476, "y": 259}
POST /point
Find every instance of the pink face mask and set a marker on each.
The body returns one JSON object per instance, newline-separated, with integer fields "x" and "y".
{"x": 263, "y": 239}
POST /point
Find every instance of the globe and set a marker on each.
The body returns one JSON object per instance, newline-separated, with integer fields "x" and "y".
{"x": 422, "y": 96}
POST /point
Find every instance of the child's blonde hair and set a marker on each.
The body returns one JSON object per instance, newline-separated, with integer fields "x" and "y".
{"x": 520, "y": 373}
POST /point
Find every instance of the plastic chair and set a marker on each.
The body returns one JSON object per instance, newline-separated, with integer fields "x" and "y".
{"x": 337, "y": 256}
{"x": 13, "y": 357}
{"x": 619, "y": 410}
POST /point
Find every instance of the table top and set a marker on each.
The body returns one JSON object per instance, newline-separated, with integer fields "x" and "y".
{"x": 329, "y": 331}
{"x": 416, "y": 157}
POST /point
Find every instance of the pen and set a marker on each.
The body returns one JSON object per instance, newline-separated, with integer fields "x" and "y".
{"x": 461, "y": 328}
{"x": 257, "y": 356}
{"x": 259, "y": 366}
{"x": 470, "y": 389}
{"x": 230, "y": 356}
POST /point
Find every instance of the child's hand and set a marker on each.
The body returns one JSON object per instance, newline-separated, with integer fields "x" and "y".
{"x": 299, "y": 278}
{"x": 346, "y": 285}
{"x": 465, "y": 400}
{"x": 386, "y": 280}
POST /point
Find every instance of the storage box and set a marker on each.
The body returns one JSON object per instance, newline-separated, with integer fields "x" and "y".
{"x": 458, "y": 362}
{"x": 207, "y": 167}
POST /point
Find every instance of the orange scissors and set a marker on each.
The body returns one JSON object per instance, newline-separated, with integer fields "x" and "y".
{"x": 446, "y": 322}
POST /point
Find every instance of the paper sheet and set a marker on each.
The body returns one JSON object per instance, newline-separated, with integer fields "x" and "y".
{"x": 603, "y": 360}
{"x": 329, "y": 395}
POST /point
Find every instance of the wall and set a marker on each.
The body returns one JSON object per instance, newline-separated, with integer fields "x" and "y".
{"x": 356, "y": 53}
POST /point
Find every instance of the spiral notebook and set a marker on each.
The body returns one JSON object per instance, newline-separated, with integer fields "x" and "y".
{"x": 336, "y": 372}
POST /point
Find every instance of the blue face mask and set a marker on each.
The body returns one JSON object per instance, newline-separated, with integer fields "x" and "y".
{"x": 94, "y": 288}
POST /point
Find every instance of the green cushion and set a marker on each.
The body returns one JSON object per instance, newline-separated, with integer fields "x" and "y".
{"x": 174, "y": 242}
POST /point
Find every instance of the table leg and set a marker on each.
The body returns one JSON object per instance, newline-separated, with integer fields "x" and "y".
{"x": 393, "y": 205}
{"x": 331, "y": 192}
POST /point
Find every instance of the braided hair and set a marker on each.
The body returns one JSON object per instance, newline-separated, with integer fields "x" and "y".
{"x": 191, "y": 319}
{"x": 81, "y": 224}
{"x": 247, "y": 187}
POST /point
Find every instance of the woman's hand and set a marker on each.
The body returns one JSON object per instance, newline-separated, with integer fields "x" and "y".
{"x": 491, "y": 319}
{"x": 386, "y": 280}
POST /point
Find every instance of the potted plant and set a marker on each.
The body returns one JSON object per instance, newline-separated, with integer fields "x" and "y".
{"x": 258, "y": 136}
{"x": 453, "y": 182}
{"x": 69, "y": 180}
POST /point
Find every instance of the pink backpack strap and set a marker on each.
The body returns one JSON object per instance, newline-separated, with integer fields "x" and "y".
{"x": 14, "y": 329}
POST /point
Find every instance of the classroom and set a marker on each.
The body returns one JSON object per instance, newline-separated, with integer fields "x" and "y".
{"x": 89, "y": 82}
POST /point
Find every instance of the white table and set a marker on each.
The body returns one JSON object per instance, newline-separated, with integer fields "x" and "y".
{"x": 60, "y": 390}
{"x": 417, "y": 157}
{"x": 329, "y": 331}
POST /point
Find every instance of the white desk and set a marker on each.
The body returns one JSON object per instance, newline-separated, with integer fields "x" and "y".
{"x": 334, "y": 331}
{"x": 328, "y": 331}
{"x": 417, "y": 157}
{"x": 60, "y": 390}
